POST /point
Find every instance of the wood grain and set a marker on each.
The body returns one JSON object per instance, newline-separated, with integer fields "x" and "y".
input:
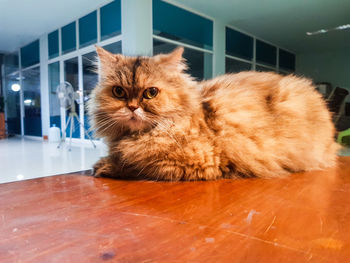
{"x": 78, "y": 218}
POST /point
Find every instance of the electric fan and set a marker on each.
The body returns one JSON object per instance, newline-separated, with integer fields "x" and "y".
{"x": 67, "y": 97}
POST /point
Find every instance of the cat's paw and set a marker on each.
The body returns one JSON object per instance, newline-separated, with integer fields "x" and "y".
{"x": 103, "y": 168}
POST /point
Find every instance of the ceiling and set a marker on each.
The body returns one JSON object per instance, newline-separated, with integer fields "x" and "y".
{"x": 22, "y": 21}
{"x": 283, "y": 23}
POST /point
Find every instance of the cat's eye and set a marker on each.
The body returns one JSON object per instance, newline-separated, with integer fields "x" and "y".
{"x": 150, "y": 93}
{"x": 119, "y": 92}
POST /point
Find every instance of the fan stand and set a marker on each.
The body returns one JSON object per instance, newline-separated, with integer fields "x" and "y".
{"x": 73, "y": 115}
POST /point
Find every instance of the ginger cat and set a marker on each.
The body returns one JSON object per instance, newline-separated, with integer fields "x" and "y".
{"x": 160, "y": 124}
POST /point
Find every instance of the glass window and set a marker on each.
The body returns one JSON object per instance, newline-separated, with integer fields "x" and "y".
{"x": 200, "y": 63}
{"x": 284, "y": 73}
{"x": 31, "y": 101}
{"x": 12, "y": 89}
{"x": 265, "y": 53}
{"x": 30, "y": 54}
{"x": 53, "y": 44}
{"x": 239, "y": 44}
{"x": 264, "y": 69}
{"x": 12, "y": 103}
{"x": 88, "y": 29}
{"x": 286, "y": 60}
{"x": 11, "y": 63}
{"x": 178, "y": 24}
{"x": 54, "y": 81}
{"x": 110, "y": 17}
{"x": 115, "y": 48}
{"x": 234, "y": 65}
{"x": 90, "y": 79}
{"x": 68, "y": 38}
{"x": 71, "y": 76}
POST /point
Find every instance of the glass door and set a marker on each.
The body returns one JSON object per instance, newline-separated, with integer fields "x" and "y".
{"x": 90, "y": 80}
{"x": 54, "y": 81}
{"x": 31, "y": 101}
{"x": 71, "y": 75}
{"x": 13, "y": 108}
{"x": 12, "y": 93}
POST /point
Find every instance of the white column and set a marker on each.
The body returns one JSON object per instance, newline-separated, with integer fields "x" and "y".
{"x": 44, "y": 86}
{"x": 219, "y": 43}
{"x": 137, "y": 27}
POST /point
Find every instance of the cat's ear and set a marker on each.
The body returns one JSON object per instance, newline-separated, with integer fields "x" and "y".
{"x": 173, "y": 60}
{"x": 107, "y": 61}
{"x": 106, "y": 57}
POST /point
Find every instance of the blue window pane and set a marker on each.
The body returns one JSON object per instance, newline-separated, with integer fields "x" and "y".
{"x": 175, "y": 23}
{"x": 90, "y": 79}
{"x": 53, "y": 44}
{"x": 286, "y": 60}
{"x": 30, "y": 54}
{"x": 12, "y": 103}
{"x": 31, "y": 101}
{"x": 54, "y": 81}
{"x": 239, "y": 44}
{"x": 265, "y": 53}
{"x": 110, "y": 16}
{"x": 68, "y": 38}
{"x": 199, "y": 62}
{"x": 114, "y": 48}
{"x": 10, "y": 63}
{"x": 235, "y": 66}
{"x": 88, "y": 29}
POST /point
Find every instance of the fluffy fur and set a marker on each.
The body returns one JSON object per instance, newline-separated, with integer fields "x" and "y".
{"x": 248, "y": 124}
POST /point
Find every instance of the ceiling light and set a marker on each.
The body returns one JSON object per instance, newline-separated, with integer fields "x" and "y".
{"x": 15, "y": 87}
{"x": 347, "y": 26}
{"x": 27, "y": 101}
{"x": 20, "y": 177}
{"x": 322, "y": 31}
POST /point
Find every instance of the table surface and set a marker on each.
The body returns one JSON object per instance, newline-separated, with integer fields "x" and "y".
{"x": 79, "y": 218}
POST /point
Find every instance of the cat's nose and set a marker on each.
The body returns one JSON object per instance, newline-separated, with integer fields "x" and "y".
{"x": 133, "y": 107}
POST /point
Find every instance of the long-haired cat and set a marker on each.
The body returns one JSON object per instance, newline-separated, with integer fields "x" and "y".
{"x": 161, "y": 124}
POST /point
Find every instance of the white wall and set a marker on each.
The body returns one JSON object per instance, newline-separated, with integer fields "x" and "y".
{"x": 137, "y": 27}
{"x": 330, "y": 66}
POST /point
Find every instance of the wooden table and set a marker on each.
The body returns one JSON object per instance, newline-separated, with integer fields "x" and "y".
{"x": 78, "y": 218}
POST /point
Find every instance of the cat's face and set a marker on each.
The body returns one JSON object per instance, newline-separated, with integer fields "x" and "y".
{"x": 136, "y": 94}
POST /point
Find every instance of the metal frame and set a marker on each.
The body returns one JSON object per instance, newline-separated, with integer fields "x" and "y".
{"x": 182, "y": 44}
{"x": 253, "y": 61}
{"x": 61, "y": 58}
{"x": 79, "y": 53}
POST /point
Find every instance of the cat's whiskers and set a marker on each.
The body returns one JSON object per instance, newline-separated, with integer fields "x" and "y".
{"x": 105, "y": 125}
{"x": 141, "y": 171}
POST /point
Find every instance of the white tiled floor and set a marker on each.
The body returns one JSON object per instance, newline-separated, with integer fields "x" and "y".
{"x": 22, "y": 159}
